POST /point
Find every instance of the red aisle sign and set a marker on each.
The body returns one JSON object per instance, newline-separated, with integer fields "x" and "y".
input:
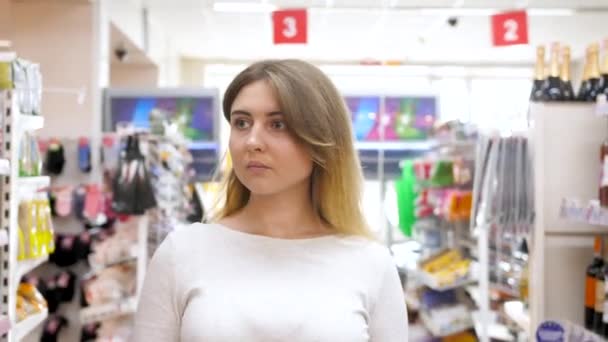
{"x": 290, "y": 26}
{"x": 510, "y": 28}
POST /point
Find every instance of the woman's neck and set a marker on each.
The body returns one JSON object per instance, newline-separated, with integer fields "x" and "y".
{"x": 285, "y": 215}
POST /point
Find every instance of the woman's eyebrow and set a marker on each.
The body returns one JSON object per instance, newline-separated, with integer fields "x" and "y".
{"x": 240, "y": 112}
{"x": 246, "y": 113}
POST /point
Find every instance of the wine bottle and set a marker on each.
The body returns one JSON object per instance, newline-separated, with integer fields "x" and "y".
{"x": 539, "y": 75}
{"x": 596, "y": 265}
{"x": 604, "y": 71}
{"x": 598, "y": 319}
{"x": 604, "y": 174}
{"x": 552, "y": 89}
{"x": 584, "y": 87}
{"x": 567, "y": 90}
{"x": 605, "y": 318}
{"x": 594, "y": 73}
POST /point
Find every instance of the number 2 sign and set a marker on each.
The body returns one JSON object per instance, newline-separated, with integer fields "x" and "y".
{"x": 510, "y": 28}
{"x": 290, "y": 26}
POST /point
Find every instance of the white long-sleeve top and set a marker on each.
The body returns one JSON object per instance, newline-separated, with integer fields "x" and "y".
{"x": 211, "y": 283}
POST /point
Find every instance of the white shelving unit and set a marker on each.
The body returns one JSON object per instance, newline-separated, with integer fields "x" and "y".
{"x": 13, "y": 189}
{"x": 441, "y": 331}
{"x": 566, "y": 142}
{"x": 26, "y": 326}
{"x": 109, "y": 310}
{"x": 129, "y": 305}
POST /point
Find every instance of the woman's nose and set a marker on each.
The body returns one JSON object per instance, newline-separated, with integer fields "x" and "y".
{"x": 255, "y": 139}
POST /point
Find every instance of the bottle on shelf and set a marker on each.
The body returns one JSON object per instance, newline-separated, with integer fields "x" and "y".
{"x": 584, "y": 87}
{"x": 603, "y": 193}
{"x": 596, "y": 266}
{"x": 594, "y": 73}
{"x": 552, "y": 88}
{"x": 567, "y": 90}
{"x": 598, "y": 320}
{"x": 604, "y": 331}
{"x": 539, "y": 75}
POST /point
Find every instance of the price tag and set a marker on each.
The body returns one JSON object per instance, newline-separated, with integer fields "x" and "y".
{"x": 510, "y": 28}
{"x": 290, "y": 26}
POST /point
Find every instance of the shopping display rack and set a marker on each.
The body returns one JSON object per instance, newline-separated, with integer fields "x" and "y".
{"x": 13, "y": 188}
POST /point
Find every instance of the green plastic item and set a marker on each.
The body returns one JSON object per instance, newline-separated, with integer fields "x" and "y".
{"x": 406, "y": 198}
{"x": 442, "y": 174}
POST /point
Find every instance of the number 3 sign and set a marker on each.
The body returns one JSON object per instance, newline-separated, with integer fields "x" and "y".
{"x": 510, "y": 28}
{"x": 290, "y": 26}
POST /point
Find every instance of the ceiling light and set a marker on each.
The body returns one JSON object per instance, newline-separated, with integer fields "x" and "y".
{"x": 464, "y": 12}
{"x": 551, "y": 12}
{"x": 243, "y": 7}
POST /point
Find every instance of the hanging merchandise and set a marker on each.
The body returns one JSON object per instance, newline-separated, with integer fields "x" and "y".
{"x": 36, "y": 234}
{"x": 171, "y": 175}
{"x": 61, "y": 200}
{"x": 55, "y": 158}
{"x": 84, "y": 155}
{"x": 27, "y": 82}
{"x": 52, "y": 328}
{"x": 406, "y": 196}
{"x": 133, "y": 193}
{"x": 57, "y": 289}
{"x": 503, "y": 214}
{"x": 30, "y": 162}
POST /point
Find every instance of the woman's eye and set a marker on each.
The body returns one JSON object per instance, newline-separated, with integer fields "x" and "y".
{"x": 280, "y": 125}
{"x": 240, "y": 123}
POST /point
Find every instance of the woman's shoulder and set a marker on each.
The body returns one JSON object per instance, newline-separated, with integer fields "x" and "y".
{"x": 188, "y": 232}
{"x": 367, "y": 249}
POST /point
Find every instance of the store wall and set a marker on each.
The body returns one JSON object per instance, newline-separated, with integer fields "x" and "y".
{"x": 192, "y": 72}
{"x": 133, "y": 75}
{"x": 5, "y": 19}
{"x": 59, "y": 36}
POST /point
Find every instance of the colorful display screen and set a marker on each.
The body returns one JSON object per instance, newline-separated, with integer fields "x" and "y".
{"x": 405, "y": 117}
{"x": 195, "y": 116}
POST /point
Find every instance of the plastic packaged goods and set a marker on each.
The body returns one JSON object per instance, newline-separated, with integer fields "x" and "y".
{"x": 36, "y": 233}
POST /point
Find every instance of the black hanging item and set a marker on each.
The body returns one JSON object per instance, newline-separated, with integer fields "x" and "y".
{"x": 55, "y": 158}
{"x": 66, "y": 250}
{"x": 89, "y": 332}
{"x": 197, "y": 212}
{"x": 133, "y": 193}
{"x": 52, "y": 328}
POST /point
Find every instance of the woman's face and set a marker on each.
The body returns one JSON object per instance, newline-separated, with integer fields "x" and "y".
{"x": 267, "y": 158}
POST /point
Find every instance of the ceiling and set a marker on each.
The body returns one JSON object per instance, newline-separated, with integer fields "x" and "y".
{"x": 353, "y": 30}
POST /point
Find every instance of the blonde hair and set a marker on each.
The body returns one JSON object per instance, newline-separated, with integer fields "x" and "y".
{"x": 316, "y": 114}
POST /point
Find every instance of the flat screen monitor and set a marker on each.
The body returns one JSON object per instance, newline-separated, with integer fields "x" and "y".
{"x": 194, "y": 111}
{"x": 404, "y": 117}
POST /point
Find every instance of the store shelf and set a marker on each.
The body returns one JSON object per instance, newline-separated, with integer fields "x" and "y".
{"x": 516, "y": 312}
{"x": 5, "y": 167}
{"x": 496, "y": 331}
{"x": 591, "y": 213}
{"x": 3, "y": 237}
{"x": 5, "y": 325}
{"x": 26, "y": 186}
{"x": 30, "y": 122}
{"x": 438, "y": 331}
{"x": 106, "y": 311}
{"x": 25, "y": 266}
{"x": 26, "y": 326}
{"x": 429, "y": 281}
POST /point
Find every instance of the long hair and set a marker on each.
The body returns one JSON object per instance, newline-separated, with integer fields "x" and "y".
{"x": 316, "y": 114}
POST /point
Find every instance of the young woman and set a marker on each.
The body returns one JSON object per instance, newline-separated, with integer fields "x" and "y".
{"x": 289, "y": 256}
